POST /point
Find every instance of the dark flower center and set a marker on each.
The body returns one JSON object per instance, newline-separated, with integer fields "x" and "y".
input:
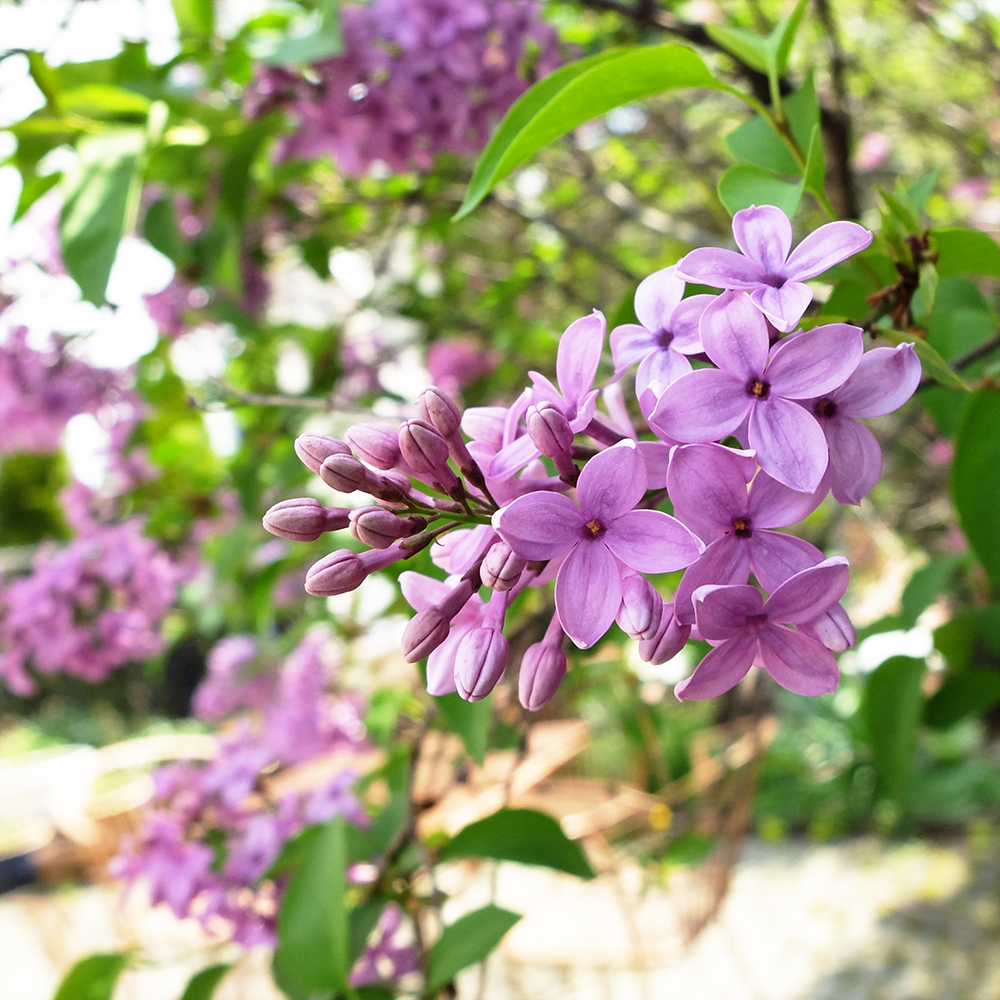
{"x": 774, "y": 280}
{"x": 756, "y": 619}
{"x": 826, "y": 407}
{"x": 664, "y": 338}
{"x": 741, "y": 527}
{"x": 758, "y": 389}
{"x": 594, "y": 527}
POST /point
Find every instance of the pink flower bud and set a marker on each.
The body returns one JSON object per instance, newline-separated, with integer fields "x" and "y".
{"x": 424, "y": 633}
{"x": 641, "y": 608}
{"x": 344, "y": 473}
{"x": 423, "y": 448}
{"x": 379, "y": 528}
{"x": 668, "y": 641}
{"x": 304, "y": 520}
{"x": 834, "y": 629}
{"x": 480, "y": 663}
{"x": 338, "y": 573}
{"x": 376, "y": 444}
{"x": 438, "y": 409}
{"x": 313, "y": 449}
{"x": 502, "y": 567}
{"x": 549, "y": 429}
{"x": 542, "y": 669}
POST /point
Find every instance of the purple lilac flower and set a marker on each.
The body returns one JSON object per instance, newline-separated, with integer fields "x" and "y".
{"x": 386, "y": 959}
{"x": 224, "y": 689}
{"x": 774, "y": 277}
{"x": 751, "y": 382}
{"x": 748, "y": 631}
{"x": 667, "y": 334}
{"x": 885, "y": 379}
{"x": 454, "y": 363}
{"x": 598, "y": 537}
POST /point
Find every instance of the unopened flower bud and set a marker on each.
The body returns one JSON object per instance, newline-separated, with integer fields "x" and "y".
{"x": 304, "y": 520}
{"x": 641, "y": 608}
{"x": 379, "y": 528}
{"x": 338, "y": 573}
{"x": 668, "y": 641}
{"x": 314, "y": 449}
{"x": 502, "y": 567}
{"x": 376, "y": 444}
{"x": 480, "y": 662}
{"x": 549, "y": 429}
{"x": 423, "y": 448}
{"x": 424, "y": 633}
{"x": 834, "y": 629}
{"x": 343, "y": 473}
{"x": 542, "y": 669}
{"x": 437, "y": 408}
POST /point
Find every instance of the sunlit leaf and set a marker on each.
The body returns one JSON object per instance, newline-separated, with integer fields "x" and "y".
{"x": 467, "y": 941}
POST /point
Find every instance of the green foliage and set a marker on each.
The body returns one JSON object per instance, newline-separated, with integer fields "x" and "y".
{"x": 467, "y": 941}
{"x": 471, "y": 720}
{"x": 92, "y": 978}
{"x": 523, "y": 835}
{"x": 745, "y": 185}
{"x": 966, "y": 251}
{"x": 202, "y": 985}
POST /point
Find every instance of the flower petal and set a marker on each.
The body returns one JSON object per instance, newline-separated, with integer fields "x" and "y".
{"x": 721, "y": 669}
{"x": 734, "y": 335}
{"x": 775, "y": 557}
{"x": 815, "y": 362}
{"x": 630, "y": 343}
{"x": 809, "y": 594}
{"x": 708, "y": 486}
{"x": 764, "y": 234}
{"x": 422, "y": 592}
{"x": 726, "y": 561}
{"x": 783, "y": 306}
{"x": 834, "y": 629}
{"x": 513, "y": 457}
{"x": 855, "y": 458}
{"x": 790, "y": 444}
{"x": 612, "y": 482}
{"x": 441, "y": 663}
{"x": 540, "y": 525}
{"x": 797, "y": 662}
{"x": 828, "y": 245}
{"x": 685, "y": 323}
{"x": 884, "y": 379}
{"x": 722, "y": 612}
{"x": 719, "y": 268}
{"x": 664, "y": 365}
{"x": 656, "y": 455}
{"x": 704, "y": 405}
{"x": 579, "y": 355}
{"x": 657, "y": 297}
{"x": 774, "y": 505}
{"x": 652, "y": 542}
{"x": 588, "y": 593}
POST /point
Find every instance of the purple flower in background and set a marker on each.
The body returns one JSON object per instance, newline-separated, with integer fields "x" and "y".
{"x": 751, "y": 382}
{"x": 454, "y": 363}
{"x": 387, "y": 958}
{"x": 885, "y": 379}
{"x": 749, "y": 631}
{"x": 774, "y": 277}
{"x": 598, "y": 537}
{"x": 708, "y": 486}
{"x": 669, "y": 331}
{"x": 223, "y": 690}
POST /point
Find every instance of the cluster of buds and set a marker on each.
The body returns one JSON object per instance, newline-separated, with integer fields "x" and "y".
{"x": 550, "y": 489}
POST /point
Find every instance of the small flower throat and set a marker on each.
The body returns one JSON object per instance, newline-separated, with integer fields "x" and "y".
{"x": 760, "y": 390}
{"x": 594, "y": 527}
{"x": 826, "y": 407}
{"x": 741, "y": 528}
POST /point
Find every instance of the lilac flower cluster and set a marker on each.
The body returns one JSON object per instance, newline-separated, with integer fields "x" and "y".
{"x": 40, "y": 391}
{"x": 214, "y": 831}
{"x": 416, "y": 78}
{"x": 88, "y": 608}
{"x": 750, "y": 441}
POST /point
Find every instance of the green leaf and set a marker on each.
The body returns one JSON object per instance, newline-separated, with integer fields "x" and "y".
{"x": 954, "y": 332}
{"x": 928, "y": 285}
{"x": 101, "y": 192}
{"x": 313, "y": 930}
{"x": 363, "y": 920}
{"x": 920, "y": 190}
{"x": 46, "y": 79}
{"x": 744, "y": 185}
{"x": 963, "y": 695}
{"x": 195, "y": 17}
{"x": 292, "y": 852}
{"x": 924, "y": 587}
{"x": 202, "y": 984}
{"x": 319, "y": 41}
{"x": 975, "y": 480}
{"x": 933, "y": 364}
{"x": 161, "y": 231}
{"x": 781, "y": 39}
{"x": 815, "y": 175}
{"x": 966, "y": 251}
{"x": 33, "y": 189}
{"x": 748, "y": 48}
{"x": 901, "y": 211}
{"x": 467, "y": 941}
{"x": 523, "y": 835}
{"x": 102, "y": 101}
{"x": 891, "y": 708}
{"x": 92, "y": 978}
{"x": 577, "y": 93}
{"x": 241, "y": 150}
{"x": 470, "y": 719}
{"x": 955, "y": 640}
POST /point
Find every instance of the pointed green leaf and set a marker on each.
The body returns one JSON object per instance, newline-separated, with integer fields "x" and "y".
{"x": 202, "y": 984}
{"x": 92, "y": 978}
{"x": 920, "y": 190}
{"x": 46, "y": 79}
{"x": 575, "y": 94}
{"x": 901, "y": 211}
{"x": 962, "y": 695}
{"x": 523, "y": 835}
{"x": 470, "y": 719}
{"x": 101, "y": 196}
{"x": 933, "y": 364}
{"x": 745, "y": 185}
{"x": 748, "y": 48}
{"x": 928, "y": 285}
{"x": 467, "y": 941}
{"x": 975, "y": 480}
{"x": 966, "y": 251}
{"x": 815, "y": 175}
{"x": 783, "y": 36}
{"x": 195, "y": 17}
